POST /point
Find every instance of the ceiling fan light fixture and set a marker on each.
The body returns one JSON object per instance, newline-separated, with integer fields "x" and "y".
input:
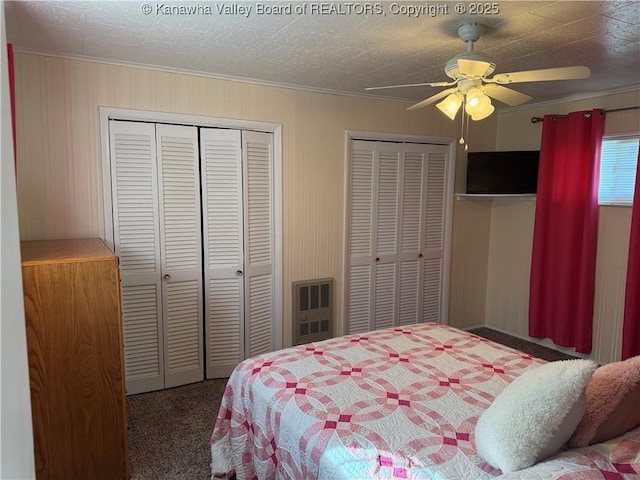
{"x": 450, "y": 105}
{"x": 477, "y": 102}
{"x": 483, "y": 114}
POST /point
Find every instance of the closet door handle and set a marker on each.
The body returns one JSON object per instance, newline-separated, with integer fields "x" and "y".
{"x": 239, "y": 273}
{"x": 167, "y": 277}
{"x": 419, "y": 255}
{"x": 377, "y": 259}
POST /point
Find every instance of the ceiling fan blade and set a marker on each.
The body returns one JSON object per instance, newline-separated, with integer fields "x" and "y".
{"x": 505, "y": 95}
{"x": 432, "y": 84}
{"x": 473, "y": 68}
{"x": 432, "y": 99}
{"x": 545, "y": 75}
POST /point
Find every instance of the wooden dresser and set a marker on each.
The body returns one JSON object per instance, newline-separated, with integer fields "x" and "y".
{"x": 74, "y": 340}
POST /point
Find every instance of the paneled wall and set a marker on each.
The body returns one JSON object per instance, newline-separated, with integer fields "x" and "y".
{"x": 470, "y": 238}
{"x": 469, "y": 262}
{"x": 511, "y": 239}
{"x": 59, "y": 166}
{"x": 509, "y": 264}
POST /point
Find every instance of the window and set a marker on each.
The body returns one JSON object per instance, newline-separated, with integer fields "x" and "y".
{"x": 618, "y": 161}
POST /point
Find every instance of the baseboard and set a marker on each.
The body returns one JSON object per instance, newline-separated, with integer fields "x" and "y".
{"x": 466, "y": 329}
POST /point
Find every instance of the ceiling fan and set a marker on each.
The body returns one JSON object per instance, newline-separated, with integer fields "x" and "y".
{"x": 469, "y": 72}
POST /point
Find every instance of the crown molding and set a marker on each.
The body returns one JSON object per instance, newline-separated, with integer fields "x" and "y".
{"x": 214, "y": 76}
{"x": 571, "y": 98}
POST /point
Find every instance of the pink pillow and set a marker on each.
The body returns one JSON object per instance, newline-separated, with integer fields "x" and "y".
{"x": 613, "y": 396}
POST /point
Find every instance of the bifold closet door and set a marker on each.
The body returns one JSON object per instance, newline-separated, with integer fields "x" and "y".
{"x": 181, "y": 248}
{"x": 396, "y": 214}
{"x": 157, "y": 236}
{"x": 421, "y": 260}
{"x": 136, "y": 225}
{"x": 412, "y": 220}
{"x": 237, "y": 201}
{"x": 257, "y": 151}
{"x": 436, "y": 172}
{"x": 223, "y": 227}
{"x": 373, "y": 235}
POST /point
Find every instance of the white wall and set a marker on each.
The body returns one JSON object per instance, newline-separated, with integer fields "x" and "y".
{"x": 16, "y": 437}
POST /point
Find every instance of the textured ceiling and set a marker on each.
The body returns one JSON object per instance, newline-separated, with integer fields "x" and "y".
{"x": 334, "y": 46}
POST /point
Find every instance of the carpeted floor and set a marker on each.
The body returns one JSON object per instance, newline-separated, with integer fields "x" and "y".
{"x": 169, "y": 430}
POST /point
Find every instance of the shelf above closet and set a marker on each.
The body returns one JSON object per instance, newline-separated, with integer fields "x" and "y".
{"x": 493, "y": 196}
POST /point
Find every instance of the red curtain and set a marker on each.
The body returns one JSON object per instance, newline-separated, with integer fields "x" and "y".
{"x": 565, "y": 233}
{"x": 631, "y": 329}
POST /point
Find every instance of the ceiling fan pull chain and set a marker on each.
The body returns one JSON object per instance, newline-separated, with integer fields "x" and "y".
{"x": 466, "y": 134}
{"x": 461, "y": 141}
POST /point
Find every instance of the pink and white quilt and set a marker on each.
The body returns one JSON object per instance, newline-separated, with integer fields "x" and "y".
{"x": 400, "y": 403}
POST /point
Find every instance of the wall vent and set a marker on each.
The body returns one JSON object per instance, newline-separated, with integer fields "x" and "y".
{"x": 312, "y": 310}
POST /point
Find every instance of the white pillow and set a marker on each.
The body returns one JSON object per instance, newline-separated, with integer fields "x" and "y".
{"x": 535, "y": 415}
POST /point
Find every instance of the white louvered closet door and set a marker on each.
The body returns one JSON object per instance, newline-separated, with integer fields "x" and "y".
{"x": 223, "y": 226}
{"x": 374, "y": 180}
{"x": 136, "y": 225}
{"x": 386, "y": 215}
{"x": 359, "y": 306}
{"x": 412, "y": 228}
{"x": 435, "y": 179}
{"x": 257, "y": 155}
{"x": 396, "y": 224}
{"x": 181, "y": 247}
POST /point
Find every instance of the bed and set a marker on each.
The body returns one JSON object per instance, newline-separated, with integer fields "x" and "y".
{"x": 400, "y": 403}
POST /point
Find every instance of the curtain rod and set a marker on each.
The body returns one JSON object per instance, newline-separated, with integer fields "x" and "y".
{"x": 539, "y": 119}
